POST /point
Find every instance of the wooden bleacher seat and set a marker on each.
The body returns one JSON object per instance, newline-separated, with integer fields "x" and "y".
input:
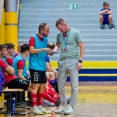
{"x": 9, "y": 93}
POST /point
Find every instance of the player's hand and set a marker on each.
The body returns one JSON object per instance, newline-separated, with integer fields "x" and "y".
{"x": 47, "y": 49}
{"x": 6, "y": 73}
{"x": 79, "y": 67}
{"x": 106, "y": 11}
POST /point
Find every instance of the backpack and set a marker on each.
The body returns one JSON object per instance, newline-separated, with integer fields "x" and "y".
{"x": 2, "y": 81}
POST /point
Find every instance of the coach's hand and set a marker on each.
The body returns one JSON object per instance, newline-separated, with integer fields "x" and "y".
{"x": 47, "y": 49}
{"x": 79, "y": 67}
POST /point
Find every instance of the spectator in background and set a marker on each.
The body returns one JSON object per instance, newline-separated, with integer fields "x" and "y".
{"x": 106, "y": 16}
{"x": 19, "y": 46}
{"x": 19, "y": 63}
{"x": 10, "y": 49}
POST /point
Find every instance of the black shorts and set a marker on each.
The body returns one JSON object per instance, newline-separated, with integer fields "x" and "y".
{"x": 38, "y": 76}
{"x": 27, "y": 77}
{"x": 18, "y": 83}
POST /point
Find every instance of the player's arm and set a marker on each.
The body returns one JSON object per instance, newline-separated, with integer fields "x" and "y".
{"x": 103, "y": 12}
{"x": 20, "y": 67}
{"x": 35, "y": 51}
{"x": 109, "y": 12}
{"x": 32, "y": 48}
{"x": 9, "y": 70}
{"x": 57, "y": 42}
{"x": 6, "y": 67}
{"x": 82, "y": 50}
{"x": 49, "y": 67}
{"x": 20, "y": 71}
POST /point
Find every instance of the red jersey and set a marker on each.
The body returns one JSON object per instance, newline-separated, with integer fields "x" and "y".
{"x": 8, "y": 77}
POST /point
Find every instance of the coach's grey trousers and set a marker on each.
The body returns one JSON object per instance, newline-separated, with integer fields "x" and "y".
{"x": 68, "y": 66}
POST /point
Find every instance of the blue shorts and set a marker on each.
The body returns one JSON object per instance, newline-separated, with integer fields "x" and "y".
{"x": 106, "y": 19}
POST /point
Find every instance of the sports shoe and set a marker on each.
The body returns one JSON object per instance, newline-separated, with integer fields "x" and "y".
{"x": 58, "y": 102}
{"x": 69, "y": 110}
{"x": 45, "y": 111}
{"x": 111, "y": 26}
{"x": 37, "y": 111}
{"x": 60, "y": 110}
{"x": 101, "y": 26}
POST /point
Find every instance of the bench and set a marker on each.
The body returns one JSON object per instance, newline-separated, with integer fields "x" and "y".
{"x": 9, "y": 93}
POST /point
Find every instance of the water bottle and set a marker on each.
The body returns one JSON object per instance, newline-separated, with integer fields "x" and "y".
{"x": 13, "y": 104}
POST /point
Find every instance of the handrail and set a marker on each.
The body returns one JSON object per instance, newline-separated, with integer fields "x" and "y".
{"x": 1, "y": 8}
{"x": 18, "y": 7}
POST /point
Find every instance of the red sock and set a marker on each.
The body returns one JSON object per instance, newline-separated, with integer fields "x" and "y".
{"x": 39, "y": 98}
{"x": 53, "y": 95}
{"x": 34, "y": 99}
{"x": 49, "y": 98}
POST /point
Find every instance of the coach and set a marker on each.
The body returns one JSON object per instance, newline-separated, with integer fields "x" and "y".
{"x": 69, "y": 41}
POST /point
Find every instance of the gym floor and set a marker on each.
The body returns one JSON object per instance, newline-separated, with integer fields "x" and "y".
{"x": 95, "y": 99}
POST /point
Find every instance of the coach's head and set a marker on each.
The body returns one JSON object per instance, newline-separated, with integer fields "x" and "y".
{"x": 62, "y": 25}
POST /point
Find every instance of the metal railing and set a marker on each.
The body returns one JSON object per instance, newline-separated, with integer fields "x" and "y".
{"x": 18, "y": 9}
{"x": 1, "y": 8}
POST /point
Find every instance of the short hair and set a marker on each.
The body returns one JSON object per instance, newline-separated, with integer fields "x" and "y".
{"x": 105, "y": 4}
{"x": 42, "y": 26}
{"x": 24, "y": 47}
{"x": 59, "y": 21}
{"x": 2, "y": 46}
{"x": 10, "y": 45}
{"x": 51, "y": 45}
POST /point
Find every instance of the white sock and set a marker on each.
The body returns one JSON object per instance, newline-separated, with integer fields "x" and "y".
{"x": 39, "y": 107}
{"x": 34, "y": 107}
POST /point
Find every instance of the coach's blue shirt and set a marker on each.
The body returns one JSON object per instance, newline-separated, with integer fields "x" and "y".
{"x": 37, "y": 61}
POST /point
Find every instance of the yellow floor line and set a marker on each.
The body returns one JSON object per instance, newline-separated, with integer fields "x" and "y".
{"x": 96, "y": 94}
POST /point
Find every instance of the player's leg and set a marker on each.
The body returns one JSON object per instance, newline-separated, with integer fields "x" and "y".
{"x": 52, "y": 79}
{"x": 35, "y": 80}
{"x": 110, "y": 20}
{"x": 40, "y": 92}
{"x": 101, "y": 22}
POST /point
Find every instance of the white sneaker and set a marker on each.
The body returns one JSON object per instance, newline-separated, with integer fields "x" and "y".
{"x": 43, "y": 110}
{"x": 37, "y": 111}
{"x": 47, "y": 103}
{"x": 69, "y": 110}
{"x": 60, "y": 110}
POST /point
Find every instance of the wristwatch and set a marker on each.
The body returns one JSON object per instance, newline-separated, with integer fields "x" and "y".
{"x": 80, "y": 61}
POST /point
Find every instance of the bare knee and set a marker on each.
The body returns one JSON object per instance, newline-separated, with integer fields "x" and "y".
{"x": 110, "y": 16}
{"x": 35, "y": 88}
{"x": 101, "y": 16}
{"x": 52, "y": 76}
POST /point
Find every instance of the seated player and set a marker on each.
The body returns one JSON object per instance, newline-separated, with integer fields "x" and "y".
{"x": 10, "y": 49}
{"x": 106, "y": 16}
{"x": 8, "y": 59}
{"x": 11, "y": 81}
{"x": 19, "y": 46}
{"x": 51, "y": 95}
{"x": 19, "y": 63}
{"x": 51, "y": 73}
